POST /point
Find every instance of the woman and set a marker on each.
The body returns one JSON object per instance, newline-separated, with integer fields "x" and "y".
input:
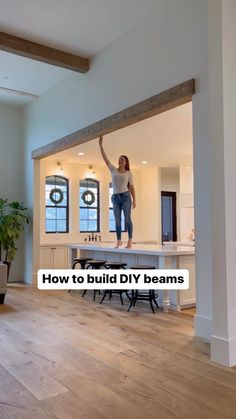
{"x": 123, "y": 189}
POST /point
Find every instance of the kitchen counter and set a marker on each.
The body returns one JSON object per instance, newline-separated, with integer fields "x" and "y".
{"x": 162, "y": 257}
{"x": 139, "y": 249}
{"x": 189, "y": 243}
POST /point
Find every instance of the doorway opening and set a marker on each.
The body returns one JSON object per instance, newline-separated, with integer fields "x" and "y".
{"x": 111, "y": 127}
{"x": 168, "y": 216}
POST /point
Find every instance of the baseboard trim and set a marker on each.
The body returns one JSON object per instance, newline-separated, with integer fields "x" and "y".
{"x": 203, "y": 327}
{"x": 223, "y": 351}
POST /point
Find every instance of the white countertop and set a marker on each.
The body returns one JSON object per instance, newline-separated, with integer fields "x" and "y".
{"x": 142, "y": 249}
{"x": 189, "y": 243}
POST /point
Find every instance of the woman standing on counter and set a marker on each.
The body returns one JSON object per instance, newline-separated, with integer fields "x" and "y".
{"x": 123, "y": 189}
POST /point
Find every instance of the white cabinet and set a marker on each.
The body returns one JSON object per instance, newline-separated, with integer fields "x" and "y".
{"x": 181, "y": 299}
{"x": 53, "y": 257}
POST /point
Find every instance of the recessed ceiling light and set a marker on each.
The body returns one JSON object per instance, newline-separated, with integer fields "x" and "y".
{"x": 144, "y": 162}
{"x": 81, "y": 153}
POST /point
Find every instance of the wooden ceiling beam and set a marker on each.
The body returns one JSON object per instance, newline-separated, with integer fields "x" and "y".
{"x": 162, "y": 102}
{"x": 38, "y": 52}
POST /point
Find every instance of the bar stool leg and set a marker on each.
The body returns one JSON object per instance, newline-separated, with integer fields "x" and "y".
{"x": 127, "y": 295}
{"x": 131, "y": 303}
{"x": 103, "y": 297}
{"x": 154, "y": 299}
{"x": 133, "y": 300}
{"x": 150, "y": 301}
{"x": 121, "y": 299}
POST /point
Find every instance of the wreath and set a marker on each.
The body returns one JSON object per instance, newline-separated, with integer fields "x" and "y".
{"x": 53, "y": 196}
{"x": 88, "y": 197}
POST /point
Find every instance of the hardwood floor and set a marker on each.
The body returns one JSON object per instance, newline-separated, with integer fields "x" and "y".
{"x": 64, "y": 357}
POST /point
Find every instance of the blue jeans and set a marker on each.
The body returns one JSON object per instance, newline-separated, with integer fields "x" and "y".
{"x": 122, "y": 201}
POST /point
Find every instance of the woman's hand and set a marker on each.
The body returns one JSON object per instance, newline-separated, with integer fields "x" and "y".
{"x": 104, "y": 156}
{"x": 134, "y": 205}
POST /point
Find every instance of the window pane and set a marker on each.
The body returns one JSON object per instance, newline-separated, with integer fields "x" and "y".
{"x": 92, "y": 225}
{"x": 50, "y": 225}
{"x": 112, "y": 226}
{"x": 63, "y": 188}
{"x": 83, "y": 225}
{"x": 63, "y": 203}
{"x": 123, "y": 227}
{"x": 92, "y": 214}
{"x": 61, "y": 213}
{"x": 110, "y": 195}
{"x": 61, "y": 225}
{"x": 56, "y": 214}
{"x": 60, "y": 182}
{"x": 50, "y": 180}
{"x": 82, "y": 189}
{"x": 110, "y": 201}
{"x": 89, "y": 213}
{"x": 83, "y": 213}
{"x": 81, "y": 202}
{"x": 111, "y": 214}
{"x": 95, "y": 203}
{"x": 50, "y": 213}
{"x": 47, "y": 199}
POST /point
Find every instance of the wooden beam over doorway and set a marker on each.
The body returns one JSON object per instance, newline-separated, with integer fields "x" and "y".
{"x": 162, "y": 102}
{"x": 38, "y": 52}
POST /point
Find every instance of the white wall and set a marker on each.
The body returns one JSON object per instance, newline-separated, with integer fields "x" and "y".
{"x": 11, "y": 173}
{"x": 150, "y": 219}
{"x": 168, "y": 48}
{"x": 222, "y": 34}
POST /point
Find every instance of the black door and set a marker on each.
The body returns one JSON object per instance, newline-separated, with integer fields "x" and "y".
{"x": 168, "y": 216}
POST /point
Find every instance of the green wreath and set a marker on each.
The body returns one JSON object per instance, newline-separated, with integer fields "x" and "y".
{"x": 52, "y": 197}
{"x": 88, "y": 197}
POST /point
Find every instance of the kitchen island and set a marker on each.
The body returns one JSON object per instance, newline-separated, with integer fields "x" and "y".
{"x": 162, "y": 257}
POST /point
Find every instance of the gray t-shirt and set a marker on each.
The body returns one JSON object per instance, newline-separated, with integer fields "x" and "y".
{"x": 120, "y": 181}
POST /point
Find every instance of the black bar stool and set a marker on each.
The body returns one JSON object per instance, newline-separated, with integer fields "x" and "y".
{"x": 81, "y": 261}
{"x": 144, "y": 295}
{"x": 95, "y": 264}
{"x": 115, "y": 265}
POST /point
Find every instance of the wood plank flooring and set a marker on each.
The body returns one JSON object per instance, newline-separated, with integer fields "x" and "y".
{"x": 67, "y": 357}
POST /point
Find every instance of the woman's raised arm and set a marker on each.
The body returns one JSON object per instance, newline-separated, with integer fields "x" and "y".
{"x": 105, "y": 158}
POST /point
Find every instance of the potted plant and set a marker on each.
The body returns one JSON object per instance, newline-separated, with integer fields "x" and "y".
{"x": 13, "y": 217}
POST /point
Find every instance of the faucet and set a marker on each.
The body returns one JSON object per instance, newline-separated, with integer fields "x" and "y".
{"x": 94, "y": 237}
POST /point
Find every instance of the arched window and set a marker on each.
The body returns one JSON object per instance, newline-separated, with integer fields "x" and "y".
{"x": 57, "y": 204}
{"x": 112, "y": 224}
{"x": 89, "y": 204}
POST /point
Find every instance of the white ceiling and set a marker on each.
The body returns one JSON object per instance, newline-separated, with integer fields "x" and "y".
{"x": 164, "y": 140}
{"x": 83, "y": 27}
{"x": 26, "y": 75}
